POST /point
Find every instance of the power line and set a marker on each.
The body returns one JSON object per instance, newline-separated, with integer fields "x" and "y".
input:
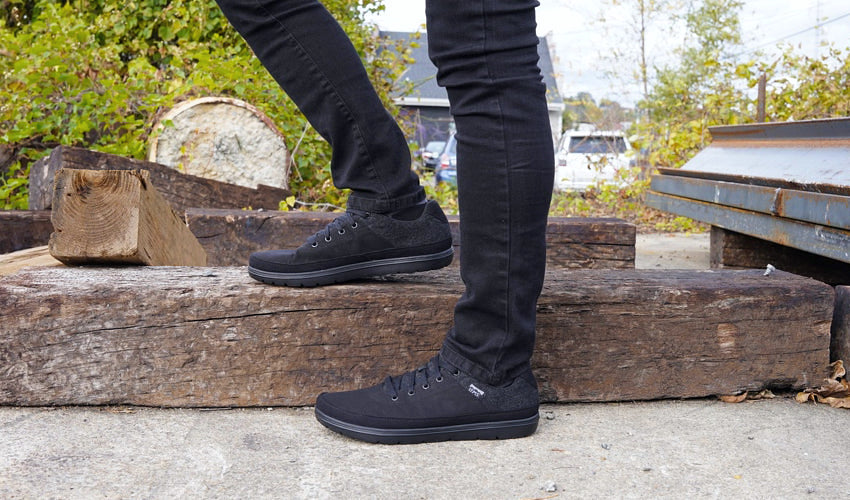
{"x": 817, "y": 26}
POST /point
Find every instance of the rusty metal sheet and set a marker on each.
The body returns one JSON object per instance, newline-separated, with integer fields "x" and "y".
{"x": 817, "y": 239}
{"x": 817, "y": 208}
{"x": 831, "y": 128}
{"x": 807, "y": 156}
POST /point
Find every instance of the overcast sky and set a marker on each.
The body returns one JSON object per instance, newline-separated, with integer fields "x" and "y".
{"x": 580, "y": 41}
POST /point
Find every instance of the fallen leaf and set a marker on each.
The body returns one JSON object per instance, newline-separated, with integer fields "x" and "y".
{"x": 838, "y": 370}
{"x": 747, "y": 396}
{"x": 835, "y": 390}
{"x": 837, "y": 402}
{"x": 804, "y": 397}
{"x": 121, "y": 410}
{"x": 734, "y": 398}
{"x": 764, "y": 394}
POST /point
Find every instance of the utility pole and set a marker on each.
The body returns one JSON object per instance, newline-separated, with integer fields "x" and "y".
{"x": 761, "y": 114}
{"x": 818, "y": 29}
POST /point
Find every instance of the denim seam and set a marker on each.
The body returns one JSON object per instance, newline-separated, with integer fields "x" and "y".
{"x": 340, "y": 102}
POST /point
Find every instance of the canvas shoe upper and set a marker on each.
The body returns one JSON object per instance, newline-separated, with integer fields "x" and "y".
{"x": 436, "y": 402}
{"x": 360, "y": 244}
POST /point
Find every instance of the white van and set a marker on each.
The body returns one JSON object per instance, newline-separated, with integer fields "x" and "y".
{"x": 584, "y": 158}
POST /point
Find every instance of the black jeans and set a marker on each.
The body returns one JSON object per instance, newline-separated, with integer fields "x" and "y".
{"x": 486, "y": 55}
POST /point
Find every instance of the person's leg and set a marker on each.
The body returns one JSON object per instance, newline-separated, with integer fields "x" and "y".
{"x": 388, "y": 227}
{"x": 480, "y": 386}
{"x": 309, "y": 55}
{"x": 486, "y": 55}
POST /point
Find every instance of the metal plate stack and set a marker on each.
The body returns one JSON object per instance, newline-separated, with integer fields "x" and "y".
{"x": 788, "y": 183}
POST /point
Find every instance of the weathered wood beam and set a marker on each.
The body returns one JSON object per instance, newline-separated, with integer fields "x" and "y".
{"x": 229, "y": 237}
{"x": 12, "y": 262}
{"x": 214, "y": 337}
{"x": 180, "y": 190}
{"x": 731, "y": 250}
{"x": 20, "y": 229}
{"x": 840, "y": 345}
{"x": 117, "y": 216}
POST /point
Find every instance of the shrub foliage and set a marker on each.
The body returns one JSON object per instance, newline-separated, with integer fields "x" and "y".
{"x": 96, "y": 73}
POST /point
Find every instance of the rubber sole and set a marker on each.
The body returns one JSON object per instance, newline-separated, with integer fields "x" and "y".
{"x": 355, "y": 271}
{"x": 506, "y": 429}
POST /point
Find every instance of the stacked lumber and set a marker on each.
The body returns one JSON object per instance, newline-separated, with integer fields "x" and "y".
{"x": 188, "y": 336}
{"x": 229, "y": 236}
{"x": 216, "y": 215}
{"x": 211, "y": 336}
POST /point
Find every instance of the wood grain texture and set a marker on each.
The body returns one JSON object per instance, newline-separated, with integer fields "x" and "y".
{"x": 117, "y": 216}
{"x": 180, "y": 190}
{"x": 229, "y": 237}
{"x": 214, "y": 337}
{"x": 20, "y": 229}
{"x": 12, "y": 262}
{"x": 839, "y": 348}
{"x": 731, "y": 250}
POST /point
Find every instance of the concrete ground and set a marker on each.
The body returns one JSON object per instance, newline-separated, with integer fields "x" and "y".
{"x": 665, "y": 449}
{"x": 672, "y": 251}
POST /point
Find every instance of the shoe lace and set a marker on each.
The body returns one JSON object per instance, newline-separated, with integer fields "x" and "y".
{"x": 339, "y": 225}
{"x": 420, "y": 378}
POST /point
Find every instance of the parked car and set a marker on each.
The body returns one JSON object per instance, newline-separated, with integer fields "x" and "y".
{"x": 430, "y": 154}
{"x": 585, "y": 158}
{"x": 446, "y": 170}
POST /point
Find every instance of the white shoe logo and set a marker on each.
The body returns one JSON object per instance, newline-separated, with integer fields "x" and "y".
{"x": 478, "y": 393}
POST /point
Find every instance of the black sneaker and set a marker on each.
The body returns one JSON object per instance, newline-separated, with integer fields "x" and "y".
{"x": 437, "y": 402}
{"x": 357, "y": 245}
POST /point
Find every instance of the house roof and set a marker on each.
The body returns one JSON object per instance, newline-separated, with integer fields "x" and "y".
{"x": 423, "y": 74}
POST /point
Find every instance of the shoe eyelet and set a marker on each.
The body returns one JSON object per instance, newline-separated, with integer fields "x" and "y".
{"x": 439, "y": 379}
{"x": 354, "y": 226}
{"x": 314, "y": 244}
{"x": 456, "y": 373}
{"x": 328, "y": 239}
{"x": 410, "y": 393}
{"x": 341, "y": 231}
{"x": 426, "y": 386}
{"x": 394, "y": 398}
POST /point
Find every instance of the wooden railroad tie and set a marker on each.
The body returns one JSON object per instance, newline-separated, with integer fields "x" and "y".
{"x": 230, "y": 235}
{"x": 840, "y": 345}
{"x": 197, "y": 337}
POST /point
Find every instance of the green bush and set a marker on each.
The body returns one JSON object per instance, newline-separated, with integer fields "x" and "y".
{"x": 96, "y": 74}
